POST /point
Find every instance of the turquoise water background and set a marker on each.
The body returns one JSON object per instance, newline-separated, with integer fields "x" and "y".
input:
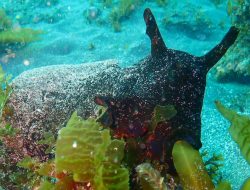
{"x": 71, "y": 39}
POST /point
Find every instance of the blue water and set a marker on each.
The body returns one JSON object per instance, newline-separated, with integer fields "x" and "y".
{"x": 67, "y": 40}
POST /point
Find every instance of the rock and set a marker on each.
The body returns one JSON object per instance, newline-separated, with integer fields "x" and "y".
{"x": 92, "y": 13}
{"x": 192, "y": 21}
{"x": 235, "y": 66}
{"x": 43, "y": 99}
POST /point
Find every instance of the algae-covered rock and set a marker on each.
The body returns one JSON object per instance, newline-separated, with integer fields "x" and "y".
{"x": 190, "y": 20}
{"x": 235, "y": 65}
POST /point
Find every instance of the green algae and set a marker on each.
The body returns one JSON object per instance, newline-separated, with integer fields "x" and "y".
{"x": 224, "y": 185}
{"x": 161, "y": 114}
{"x": 246, "y": 185}
{"x": 5, "y": 91}
{"x": 22, "y": 35}
{"x": 98, "y": 163}
{"x": 239, "y": 129}
{"x": 11, "y": 35}
{"x": 122, "y": 11}
{"x": 213, "y": 165}
{"x": 190, "y": 167}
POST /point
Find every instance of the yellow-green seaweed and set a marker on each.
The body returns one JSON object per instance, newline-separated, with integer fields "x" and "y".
{"x": 246, "y": 185}
{"x": 224, "y": 185}
{"x": 5, "y": 90}
{"x": 86, "y": 151}
{"x": 162, "y": 113}
{"x": 150, "y": 178}
{"x": 239, "y": 129}
{"x": 20, "y": 35}
{"x": 190, "y": 167}
{"x": 123, "y": 10}
{"x": 46, "y": 185}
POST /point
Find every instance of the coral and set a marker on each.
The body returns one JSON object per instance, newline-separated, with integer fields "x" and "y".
{"x": 239, "y": 129}
{"x": 150, "y": 179}
{"x": 190, "y": 167}
{"x": 98, "y": 163}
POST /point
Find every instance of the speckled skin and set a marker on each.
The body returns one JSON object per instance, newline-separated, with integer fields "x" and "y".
{"x": 43, "y": 99}
{"x": 172, "y": 77}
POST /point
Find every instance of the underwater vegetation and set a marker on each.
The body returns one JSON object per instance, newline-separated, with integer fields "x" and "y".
{"x": 190, "y": 167}
{"x": 5, "y": 91}
{"x": 196, "y": 26}
{"x": 122, "y": 11}
{"x": 192, "y": 21}
{"x": 119, "y": 12}
{"x": 239, "y": 129}
{"x": 80, "y": 163}
{"x": 93, "y": 159}
{"x": 213, "y": 166}
{"x": 10, "y": 36}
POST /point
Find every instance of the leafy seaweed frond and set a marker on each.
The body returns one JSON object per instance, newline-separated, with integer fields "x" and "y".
{"x": 239, "y": 129}
{"x": 86, "y": 151}
{"x": 190, "y": 167}
{"x": 161, "y": 114}
{"x": 21, "y": 35}
{"x": 224, "y": 185}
